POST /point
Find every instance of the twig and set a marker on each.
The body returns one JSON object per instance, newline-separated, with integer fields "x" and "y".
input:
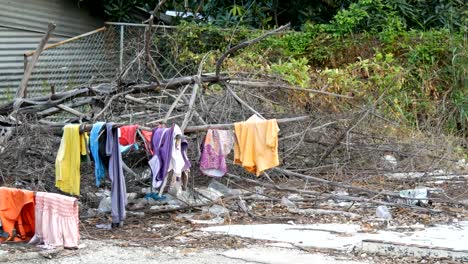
{"x": 96, "y": 117}
{"x": 244, "y": 44}
{"x": 174, "y": 104}
{"x": 238, "y": 99}
{"x": 270, "y": 85}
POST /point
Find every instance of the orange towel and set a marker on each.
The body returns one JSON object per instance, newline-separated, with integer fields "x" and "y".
{"x": 17, "y": 211}
{"x": 256, "y": 148}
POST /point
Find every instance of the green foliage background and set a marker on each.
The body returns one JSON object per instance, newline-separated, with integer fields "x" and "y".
{"x": 413, "y": 51}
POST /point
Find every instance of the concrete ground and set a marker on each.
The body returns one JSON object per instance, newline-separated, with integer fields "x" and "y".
{"x": 109, "y": 252}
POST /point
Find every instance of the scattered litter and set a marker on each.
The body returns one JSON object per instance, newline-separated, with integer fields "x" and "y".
{"x": 390, "y": 161}
{"x": 419, "y": 193}
{"x": 383, "y": 212}
{"x": 218, "y": 210}
{"x": 154, "y": 196}
{"x": 223, "y": 189}
{"x": 208, "y": 194}
{"x": 164, "y": 207}
{"x": 136, "y": 213}
{"x": 131, "y": 197}
{"x": 311, "y": 211}
{"x": 104, "y": 226}
{"x": 105, "y": 205}
{"x": 189, "y": 217}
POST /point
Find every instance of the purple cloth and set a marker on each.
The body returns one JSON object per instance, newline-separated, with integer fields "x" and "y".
{"x": 216, "y": 146}
{"x": 161, "y": 144}
{"x": 184, "y": 147}
{"x": 116, "y": 176}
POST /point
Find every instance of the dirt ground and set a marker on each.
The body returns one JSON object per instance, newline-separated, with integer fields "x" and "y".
{"x": 111, "y": 251}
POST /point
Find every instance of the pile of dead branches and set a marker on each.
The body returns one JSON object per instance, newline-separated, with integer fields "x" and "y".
{"x": 359, "y": 156}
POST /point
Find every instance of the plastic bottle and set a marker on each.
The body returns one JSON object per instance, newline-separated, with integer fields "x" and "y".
{"x": 383, "y": 212}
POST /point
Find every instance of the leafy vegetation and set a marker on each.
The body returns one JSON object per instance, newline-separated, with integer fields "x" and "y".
{"x": 411, "y": 51}
{"x": 347, "y": 15}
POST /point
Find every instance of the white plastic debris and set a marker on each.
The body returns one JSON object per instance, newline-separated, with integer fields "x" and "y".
{"x": 418, "y": 193}
{"x": 390, "y": 161}
{"x": 104, "y": 226}
{"x": 383, "y": 212}
{"x": 189, "y": 217}
{"x": 105, "y": 205}
{"x": 218, "y": 210}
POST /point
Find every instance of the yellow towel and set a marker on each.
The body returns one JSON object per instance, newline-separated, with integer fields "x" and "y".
{"x": 256, "y": 147}
{"x": 67, "y": 163}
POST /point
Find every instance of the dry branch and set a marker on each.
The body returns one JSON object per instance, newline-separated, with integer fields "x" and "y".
{"x": 272, "y": 85}
{"x": 247, "y": 43}
{"x": 242, "y": 102}
{"x": 21, "y": 92}
{"x": 194, "y": 129}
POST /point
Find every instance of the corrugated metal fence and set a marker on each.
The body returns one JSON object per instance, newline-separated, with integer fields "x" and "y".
{"x": 22, "y": 25}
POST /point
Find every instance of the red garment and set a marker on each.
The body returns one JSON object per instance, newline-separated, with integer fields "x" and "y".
{"x": 147, "y": 137}
{"x": 127, "y": 135}
{"x": 17, "y": 211}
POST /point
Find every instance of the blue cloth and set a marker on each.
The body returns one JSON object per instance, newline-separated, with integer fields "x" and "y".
{"x": 99, "y": 170}
{"x": 116, "y": 176}
{"x": 154, "y": 196}
{"x": 125, "y": 149}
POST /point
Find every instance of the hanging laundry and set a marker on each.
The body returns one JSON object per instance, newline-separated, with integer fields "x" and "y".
{"x": 170, "y": 154}
{"x": 127, "y": 135}
{"x": 17, "y": 213}
{"x": 102, "y": 147}
{"x": 179, "y": 160}
{"x": 256, "y": 147}
{"x": 67, "y": 163}
{"x": 161, "y": 144}
{"x": 146, "y": 137}
{"x": 57, "y": 221}
{"x": 116, "y": 176}
{"x": 99, "y": 170}
{"x": 215, "y": 147}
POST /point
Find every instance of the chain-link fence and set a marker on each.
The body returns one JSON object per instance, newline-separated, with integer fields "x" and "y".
{"x": 94, "y": 57}
{"x": 73, "y": 62}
